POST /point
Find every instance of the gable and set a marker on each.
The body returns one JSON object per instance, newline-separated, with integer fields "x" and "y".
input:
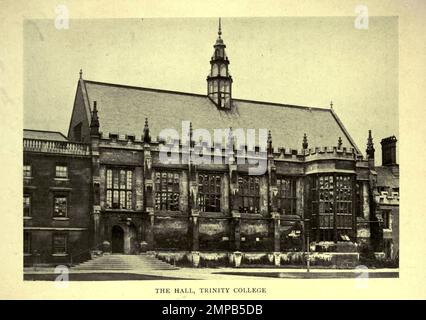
{"x": 80, "y": 118}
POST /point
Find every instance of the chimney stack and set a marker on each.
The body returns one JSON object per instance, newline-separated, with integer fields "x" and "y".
{"x": 389, "y": 151}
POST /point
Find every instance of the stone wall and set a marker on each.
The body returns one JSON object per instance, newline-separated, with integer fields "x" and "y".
{"x": 42, "y": 188}
{"x": 171, "y": 233}
{"x": 214, "y": 234}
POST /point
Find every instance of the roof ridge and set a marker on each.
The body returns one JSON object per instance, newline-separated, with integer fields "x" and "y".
{"x": 204, "y": 96}
{"x": 278, "y": 104}
{"x": 144, "y": 88}
{"x": 51, "y": 131}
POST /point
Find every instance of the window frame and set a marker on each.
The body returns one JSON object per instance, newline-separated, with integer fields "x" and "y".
{"x": 61, "y": 176}
{"x": 26, "y": 176}
{"x": 250, "y": 194}
{"x": 119, "y": 194}
{"x": 161, "y": 197}
{"x": 283, "y": 197}
{"x": 65, "y": 236}
{"x": 56, "y": 196}
{"x": 342, "y": 196}
{"x": 214, "y": 191}
{"x": 29, "y": 205}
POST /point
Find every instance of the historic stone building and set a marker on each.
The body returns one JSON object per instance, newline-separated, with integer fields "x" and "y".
{"x": 56, "y": 198}
{"x": 316, "y": 185}
{"x": 387, "y": 197}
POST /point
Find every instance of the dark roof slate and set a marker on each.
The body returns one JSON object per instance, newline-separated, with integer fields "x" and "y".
{"x": 123, "y": 109}
{"x": 44, "y": 135}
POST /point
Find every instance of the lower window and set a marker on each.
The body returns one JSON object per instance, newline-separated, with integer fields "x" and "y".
{"x": 60, "y": 244}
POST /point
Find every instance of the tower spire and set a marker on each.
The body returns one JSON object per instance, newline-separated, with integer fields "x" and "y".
{"x": 305, "y": 141}
{"x": 146, "y": 136}
{"x": 269, "y": 141}
{"x": 219, "y": 81}
{"x": 94, "y": 122}
{"x": 370, "y": 146}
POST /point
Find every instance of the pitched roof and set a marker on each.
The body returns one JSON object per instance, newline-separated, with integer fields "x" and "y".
{"x": 388, "y": 176}
{"x": 123, "y": 109}
{"x": 44, "y": 135}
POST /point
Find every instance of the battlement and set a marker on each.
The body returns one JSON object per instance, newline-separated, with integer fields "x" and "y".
{"x": 333, "y": 152}
{"x": 221, "y": 149}
{"x": 56, "y": 147}
{"x": 288, "y": 153}
{"x": 119, "y": 137}
{"x": 387, "y": 198}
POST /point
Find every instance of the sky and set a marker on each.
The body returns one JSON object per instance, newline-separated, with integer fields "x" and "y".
{"x": 306, "y": 61}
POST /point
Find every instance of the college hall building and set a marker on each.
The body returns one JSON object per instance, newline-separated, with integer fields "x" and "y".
{"x": 103, "y": 187}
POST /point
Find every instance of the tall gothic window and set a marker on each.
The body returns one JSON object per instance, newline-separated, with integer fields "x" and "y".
{"x": 286, "y": 195}
{"x": 167, "y": 191}
{"x": 249, "y": 193}
{"x": 209, "y": 192}
{"x": 343, "y": 205}
{"x": 332, "y": 207}
{"x": 119, "y": 189}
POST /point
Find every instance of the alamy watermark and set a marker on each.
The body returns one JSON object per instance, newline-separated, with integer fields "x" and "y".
{"x": 229, "y": 146}
{"x": 62, "y": 280}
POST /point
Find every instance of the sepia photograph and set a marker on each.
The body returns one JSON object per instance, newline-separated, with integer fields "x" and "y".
{"x": 213, "y": 148}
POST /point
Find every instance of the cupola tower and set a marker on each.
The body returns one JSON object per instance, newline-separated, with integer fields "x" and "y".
{"x": 219, "y": 81}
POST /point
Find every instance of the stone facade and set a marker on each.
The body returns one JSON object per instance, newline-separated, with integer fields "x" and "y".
{"x": 387, "y": 197}
{"x": 316, "y": 191}
{"x": 54, "y": 232}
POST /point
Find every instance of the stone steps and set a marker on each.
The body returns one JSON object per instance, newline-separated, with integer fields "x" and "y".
{"x": 142, "y": 262}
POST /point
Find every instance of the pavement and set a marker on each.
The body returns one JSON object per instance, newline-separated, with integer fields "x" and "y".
{"x": 49, "y": 274}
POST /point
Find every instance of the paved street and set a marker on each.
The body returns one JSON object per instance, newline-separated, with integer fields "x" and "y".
{"x": 48, "y": 274}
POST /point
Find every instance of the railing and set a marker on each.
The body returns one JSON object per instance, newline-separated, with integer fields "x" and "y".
{"x": 61, "y": 147}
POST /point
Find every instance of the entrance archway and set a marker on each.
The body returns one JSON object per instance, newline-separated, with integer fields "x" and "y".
{"x": 117, "y": 239}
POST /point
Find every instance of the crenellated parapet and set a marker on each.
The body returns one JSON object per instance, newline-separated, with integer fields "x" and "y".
{"x": 118, "y": 140}
{"x": 289, "y": 154}
{"x": 221, "y": 150}
{"x": 330, "y": 153}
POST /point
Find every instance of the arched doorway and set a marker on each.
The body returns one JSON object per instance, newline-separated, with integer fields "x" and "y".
{"x": 117, "y": 239}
